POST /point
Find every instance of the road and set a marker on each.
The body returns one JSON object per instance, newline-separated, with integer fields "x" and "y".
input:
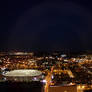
{"x": 70, "y": 73}
{"x": 48, "y": 80}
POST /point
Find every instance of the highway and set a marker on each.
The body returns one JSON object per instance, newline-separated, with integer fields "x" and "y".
{"x": 70, "y": 73}
{"x": 48, "y": 80}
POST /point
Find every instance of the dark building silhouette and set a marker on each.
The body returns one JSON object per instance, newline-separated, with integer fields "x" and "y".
{"x": 21, "y": 86}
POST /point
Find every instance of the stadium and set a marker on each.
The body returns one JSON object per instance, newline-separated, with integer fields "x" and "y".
{"x": 23, "y": 75}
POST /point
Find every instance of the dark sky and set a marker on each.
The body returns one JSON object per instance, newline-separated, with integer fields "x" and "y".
{"x": 46, "y": 25}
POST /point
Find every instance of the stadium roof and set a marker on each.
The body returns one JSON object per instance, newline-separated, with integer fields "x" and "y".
{"x": 23, "y": 73}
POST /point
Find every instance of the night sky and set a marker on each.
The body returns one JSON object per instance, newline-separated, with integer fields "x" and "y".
{"x": 46, "y": 25}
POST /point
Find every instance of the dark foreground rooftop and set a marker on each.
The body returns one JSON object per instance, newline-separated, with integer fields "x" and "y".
{"x": 20, "y": 87}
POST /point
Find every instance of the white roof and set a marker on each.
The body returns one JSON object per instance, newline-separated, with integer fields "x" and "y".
{"x": 23, "y": 73}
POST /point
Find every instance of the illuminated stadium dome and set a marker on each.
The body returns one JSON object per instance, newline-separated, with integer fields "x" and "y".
{"x": 23, "y": 75}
